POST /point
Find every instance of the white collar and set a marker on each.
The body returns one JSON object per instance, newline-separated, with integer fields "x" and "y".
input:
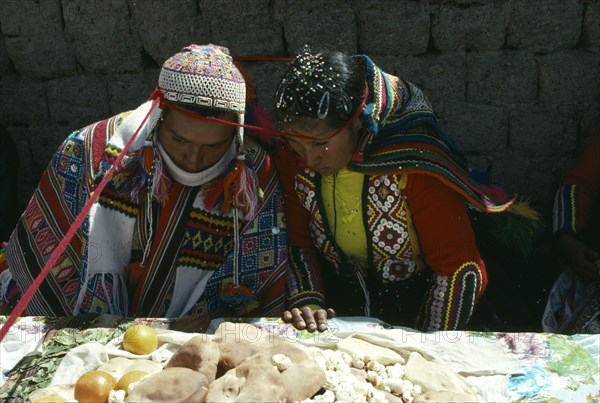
{"x": 196, "y": 178}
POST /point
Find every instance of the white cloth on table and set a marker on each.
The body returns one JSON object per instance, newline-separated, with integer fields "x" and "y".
{"x": 24, "y": 338}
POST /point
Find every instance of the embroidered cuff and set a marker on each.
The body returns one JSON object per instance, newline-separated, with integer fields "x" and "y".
{"x": 308, "y": 298}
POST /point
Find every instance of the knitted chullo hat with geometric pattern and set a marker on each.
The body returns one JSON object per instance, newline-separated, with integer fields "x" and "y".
{"x": 205, "y": 76}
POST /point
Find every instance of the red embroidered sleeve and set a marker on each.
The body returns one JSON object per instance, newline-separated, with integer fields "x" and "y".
{"x": 448, "y": 245}
{"x": 579, "y": 188}
{"x": 304, "y": 284}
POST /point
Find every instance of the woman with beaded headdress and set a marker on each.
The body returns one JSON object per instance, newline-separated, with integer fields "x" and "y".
{"x": 376, "y": 199}
{"x": 190, "y": 222}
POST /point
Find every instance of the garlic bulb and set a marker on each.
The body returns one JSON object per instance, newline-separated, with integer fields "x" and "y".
{"x": 343, "y": 385}
{"x": 281, "y": 361}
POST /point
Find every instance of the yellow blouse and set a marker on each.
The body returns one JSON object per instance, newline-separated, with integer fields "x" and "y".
{"x": 344, "y": 213}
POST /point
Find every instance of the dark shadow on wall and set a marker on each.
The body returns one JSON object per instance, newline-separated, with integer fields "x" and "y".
{"x": 518, "y": 287}
{"x": 9, "y": 168}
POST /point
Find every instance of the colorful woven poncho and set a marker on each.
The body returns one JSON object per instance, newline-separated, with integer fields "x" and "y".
{"x": 406, "y": 138}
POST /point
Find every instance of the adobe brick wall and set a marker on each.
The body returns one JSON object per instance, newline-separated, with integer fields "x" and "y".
{"x": 515, "y": 82}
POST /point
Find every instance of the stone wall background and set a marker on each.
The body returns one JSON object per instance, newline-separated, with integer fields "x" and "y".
{"x": 515, "y": 82}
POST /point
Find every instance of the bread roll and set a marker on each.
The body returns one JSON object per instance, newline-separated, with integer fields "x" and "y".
{"x": 200, "y": 354}
{"x": 238, "y": 341}
{"x": 303, "y": 378}
{"x": 250, "y": 382}
{"x": 258, "y": 379}
{"x": 171, "y": 385}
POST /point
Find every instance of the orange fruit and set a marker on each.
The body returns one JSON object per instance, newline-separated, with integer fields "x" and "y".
{"x": 140, "y": 339}
{"x": 128, "y": 379}
{"x": 94, "y": 386}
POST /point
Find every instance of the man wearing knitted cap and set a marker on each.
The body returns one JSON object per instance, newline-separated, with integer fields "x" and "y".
{"x": 190, "y": 221}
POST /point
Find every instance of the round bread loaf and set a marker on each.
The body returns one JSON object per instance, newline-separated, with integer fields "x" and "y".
{"x": 200, "y": 354}
{"x": 171, "y": 385}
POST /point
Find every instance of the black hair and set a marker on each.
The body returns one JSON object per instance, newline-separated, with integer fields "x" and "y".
{"x": 324, "y": 85}
{"x": 200, "y": 110}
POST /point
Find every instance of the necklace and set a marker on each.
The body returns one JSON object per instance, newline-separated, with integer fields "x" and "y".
{"x": 334, "y": 209}
{"x": 345, "y": 201}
